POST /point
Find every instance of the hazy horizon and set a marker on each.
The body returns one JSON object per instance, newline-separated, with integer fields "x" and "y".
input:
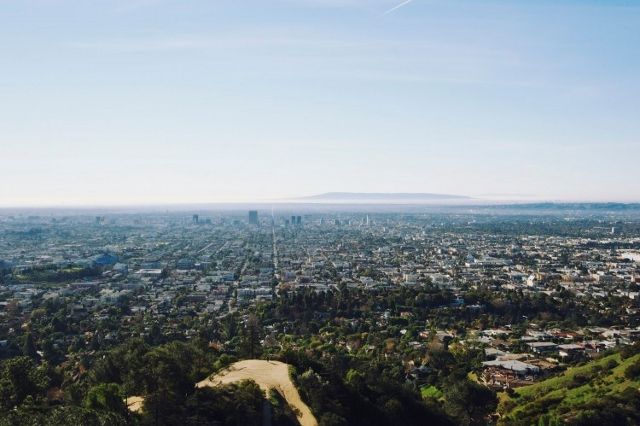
{"x": 304, "y": 202}
{"x": 148, "y": 102}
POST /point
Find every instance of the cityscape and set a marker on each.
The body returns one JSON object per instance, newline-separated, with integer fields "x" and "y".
{"x": 503, "y": 298}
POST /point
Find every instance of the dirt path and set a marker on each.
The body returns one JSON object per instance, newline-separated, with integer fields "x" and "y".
{"x": 268, "y": 375}
{"x": 134, "y": 403}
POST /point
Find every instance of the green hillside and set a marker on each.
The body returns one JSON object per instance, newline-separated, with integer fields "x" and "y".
{"x": 604, "y": 391}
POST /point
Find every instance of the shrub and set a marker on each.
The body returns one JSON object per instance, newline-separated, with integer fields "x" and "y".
{"x": 580, "y": 379}
{"x": 629, "y": 351}
{"x": 611, "y": 364}
{"x": 633, "y": 371}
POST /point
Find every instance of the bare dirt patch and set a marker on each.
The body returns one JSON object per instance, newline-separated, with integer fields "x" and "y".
{"x": 268, "y": 375}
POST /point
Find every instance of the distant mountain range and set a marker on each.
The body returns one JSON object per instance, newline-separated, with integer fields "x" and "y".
{"x": 383, "y": 197}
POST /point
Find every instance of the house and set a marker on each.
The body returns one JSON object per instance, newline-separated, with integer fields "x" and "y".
{"x": 518, "y": 367}
{"x": 503, "y": 374}
{"x": 542, "y": 347}
{"x": 570, "y": 350}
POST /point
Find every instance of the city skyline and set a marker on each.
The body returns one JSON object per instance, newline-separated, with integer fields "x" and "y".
{"x": 159, "y": 102}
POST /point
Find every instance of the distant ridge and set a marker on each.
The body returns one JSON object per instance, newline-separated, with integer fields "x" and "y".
{"x": 382, "y": 197}
{"x": 563, "y": 206}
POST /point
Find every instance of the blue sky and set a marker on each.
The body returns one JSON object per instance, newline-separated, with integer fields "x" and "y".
{"x": 163, "y": 101}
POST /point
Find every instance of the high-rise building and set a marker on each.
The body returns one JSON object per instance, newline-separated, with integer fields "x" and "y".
{"x": 253, "y": 217}
{"x": 196, "y": 219}
{"x": 298, "y": 220}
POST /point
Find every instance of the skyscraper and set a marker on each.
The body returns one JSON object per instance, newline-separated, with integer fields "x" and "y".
{"x": 253, "y": 217}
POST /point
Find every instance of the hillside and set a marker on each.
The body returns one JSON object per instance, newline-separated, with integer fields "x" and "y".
{"x": 268, "y": 375}
{"x": 604, "y": 391}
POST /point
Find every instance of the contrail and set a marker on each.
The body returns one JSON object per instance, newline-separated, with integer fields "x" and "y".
{"x": 393, "y": 9}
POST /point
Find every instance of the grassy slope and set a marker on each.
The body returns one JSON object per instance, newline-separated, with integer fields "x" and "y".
{"x": 563, "y": 394}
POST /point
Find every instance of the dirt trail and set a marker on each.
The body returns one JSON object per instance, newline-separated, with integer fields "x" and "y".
{"x": 268, "y": 375}
{"x": 134, "y": 403}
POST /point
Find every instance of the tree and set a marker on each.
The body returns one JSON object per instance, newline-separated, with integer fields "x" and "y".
{"x": 20, "y": 379}
{"x": 469, "y": 402}
{"x": 29, "y": 347}
{"x": 252, "y": 335}
{"x": 155, "y": 335}
{"x": 105, "y": 397}
{"x": 332, "y": 419}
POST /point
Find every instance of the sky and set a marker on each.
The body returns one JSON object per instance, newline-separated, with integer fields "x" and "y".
{"x": 191, "y": 101}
